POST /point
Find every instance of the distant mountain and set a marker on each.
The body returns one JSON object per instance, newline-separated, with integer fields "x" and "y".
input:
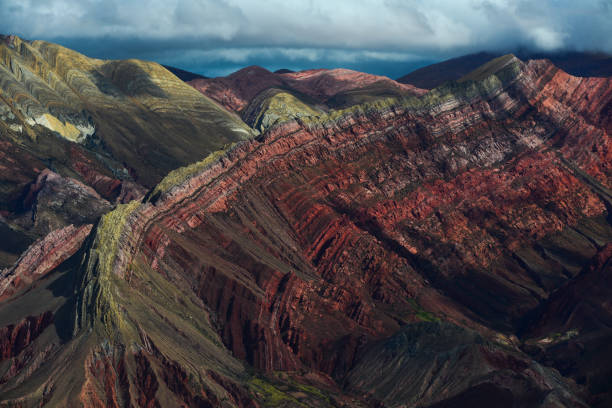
{"x": 436, "y": 74}
{"x": 283, "y": 71}
{"x": 263, "y": 98}
{"x": 182, "y": 74}
{"x": 575, "y": 63}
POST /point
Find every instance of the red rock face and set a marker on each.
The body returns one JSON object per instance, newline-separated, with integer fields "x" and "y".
{"x": 316, "y": 243}
{"x": 314, "y": 240}
{"x": 109, "y": 382}
{"x": 42, "y": 257}
{"x": 16, "y": 337}
{"x": 235, "y": 91}
{"x": 323, "y": 83}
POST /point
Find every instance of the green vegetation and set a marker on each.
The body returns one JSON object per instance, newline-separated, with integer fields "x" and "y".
{"x": 180, "y": 175}
{"x": 270, "y": 395}
{"x": 282, "y": 390}
{"x": 309, "y": 389}
{"x": 99, "y": 284}
{"x": 421, "y": 313}
{"x": 108, "y": 234}
{"x": 279, "y": 108}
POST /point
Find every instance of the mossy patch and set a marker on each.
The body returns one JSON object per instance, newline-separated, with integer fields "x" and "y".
{"x": 270, "y": 395}
{"x": 281, "y": 107}
{"x": 421, "y": 313}
{"x": 108, "y": 233}
{"x": 99, "y": 303}
{"x": 282, "y": 390}
{"x": 183, "y": 174}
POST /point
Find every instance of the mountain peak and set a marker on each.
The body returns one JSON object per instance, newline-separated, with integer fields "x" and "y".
{"x": 10, "y": 40}
{"x": 251, "y": 70}
{"x": 491, "y": 68}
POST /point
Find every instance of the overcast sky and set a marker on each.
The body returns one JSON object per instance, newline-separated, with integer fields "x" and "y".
{"x": 389, "y": 37}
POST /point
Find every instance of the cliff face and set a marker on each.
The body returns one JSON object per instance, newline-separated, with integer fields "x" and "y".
{"x": 315, "y": 249}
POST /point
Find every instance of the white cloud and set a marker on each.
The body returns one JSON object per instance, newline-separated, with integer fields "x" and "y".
{"x": 398, "y": 25}
{"x": 547, "y": 39}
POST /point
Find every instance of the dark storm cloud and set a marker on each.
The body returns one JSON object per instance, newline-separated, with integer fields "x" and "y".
{"x": 214, "y": 37}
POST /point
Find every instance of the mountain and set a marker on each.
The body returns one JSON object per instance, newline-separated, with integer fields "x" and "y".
{"x": 431, "y": 249}
{"x": 322, "y": 88}
{"x": 581, "y": 64}
{"x": 184, "y": 75}
{"x": 108, "y": 129}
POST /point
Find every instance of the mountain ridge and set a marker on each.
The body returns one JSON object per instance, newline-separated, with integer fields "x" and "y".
{"x": 575, "y": 63}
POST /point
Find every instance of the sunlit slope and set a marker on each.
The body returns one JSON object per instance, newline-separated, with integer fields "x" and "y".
{"x": 135, "y": 112}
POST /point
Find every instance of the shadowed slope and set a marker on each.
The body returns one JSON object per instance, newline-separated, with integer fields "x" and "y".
{"x": 183, "y": 75}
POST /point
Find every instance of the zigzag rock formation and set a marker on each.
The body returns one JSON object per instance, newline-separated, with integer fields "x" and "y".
{"x": 407, "y": 249}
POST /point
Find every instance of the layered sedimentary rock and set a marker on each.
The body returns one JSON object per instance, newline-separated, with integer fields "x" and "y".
{"x": 123, "y": 109}
{"x": 315, "y": 249}
{"x": 42, "y": 257}
{"x": 53, "y": 202}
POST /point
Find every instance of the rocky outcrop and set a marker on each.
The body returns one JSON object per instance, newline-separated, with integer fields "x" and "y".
{"x": 16, "y": 337}
{"x": 441, "y": 365}
{"x": 53, "y": 202}
{"x": 274, "y": 106}
{"x": 42, "y": 257}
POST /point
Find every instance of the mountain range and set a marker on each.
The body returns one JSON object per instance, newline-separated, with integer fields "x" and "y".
{"x": 323, "y": 238}
{"x": 582, "y": 64}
